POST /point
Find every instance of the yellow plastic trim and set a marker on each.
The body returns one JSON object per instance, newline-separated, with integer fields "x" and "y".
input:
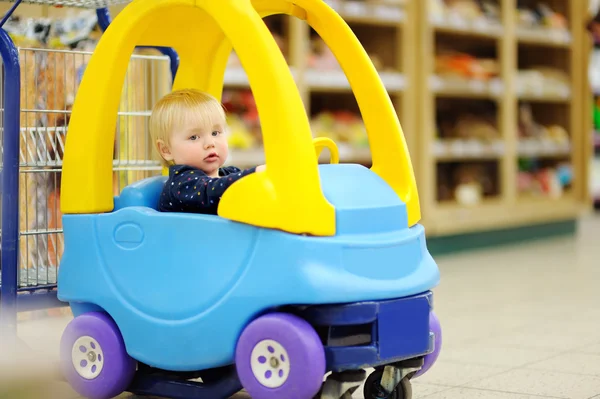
{"x": 286, "y": 196}
{"x": 391, "y": 159}
{"x": 321, "y": 143}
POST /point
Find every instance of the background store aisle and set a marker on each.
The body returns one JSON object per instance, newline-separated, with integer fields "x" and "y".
{"x": 520, "y": 322}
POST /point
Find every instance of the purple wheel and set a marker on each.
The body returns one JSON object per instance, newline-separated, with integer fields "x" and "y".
{"x": 93, "y": 357}
{"x": 280, "y": 356}
{"x": 429, "y": 361}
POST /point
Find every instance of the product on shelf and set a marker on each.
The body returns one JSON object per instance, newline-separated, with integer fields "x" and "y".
{"x": 321, "y": 57}
{"x": 596, "y": 115}
{"x": 543, "y": 81}
{"x": 468, "y": 135}
{"x": 593, "y": 26}
{"x": 470, "y": 126}
{"x": 535, "y": 137}
{"x": 458, "y": 12}
{"x": 243, "y": 119}
{"x": 594, "y": 69}
{"x": 468, "y": 9}
{"x": 77, "y": 31}
{"x": 378, "y": 9}
{"x": 466, "y": 183}
{"x": 491, "y": 9}
{"x": 548, "y": 181}
{"x": 457, "y": 65}
{"x": 341, "y": 127}
{"x": 234, "y": 61}
{"x": 239, "y": 136}
{"x": 540, "y": 15}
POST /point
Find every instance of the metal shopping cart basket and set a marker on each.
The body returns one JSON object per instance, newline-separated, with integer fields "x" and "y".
{"x": 38, "y": 86}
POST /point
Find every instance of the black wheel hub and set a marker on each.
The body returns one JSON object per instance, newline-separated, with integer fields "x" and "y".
{"x": 374, "y": 390}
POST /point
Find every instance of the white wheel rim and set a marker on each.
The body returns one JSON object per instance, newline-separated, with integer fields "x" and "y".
{"x": 87, "y": 357}
{"x": 270, "y": 363}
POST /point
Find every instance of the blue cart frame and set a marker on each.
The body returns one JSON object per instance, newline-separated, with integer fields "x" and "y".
{"x": 14, "y": 299}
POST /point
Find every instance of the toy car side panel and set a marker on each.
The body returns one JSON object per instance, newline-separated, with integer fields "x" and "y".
{"x": 345, "y": 269}
{"x": 172, "y": 266}
{"x": 281, "y": 269}
{"x": 169, "y": 296}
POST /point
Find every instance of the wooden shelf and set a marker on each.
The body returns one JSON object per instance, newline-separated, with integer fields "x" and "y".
{"x": 456, "y": 150}
{"x": 335, "y": 80}
{"x": 465, "y": 88}
{"x": 543, "y": 148}
{"x": 360, "y": 12}
{"x": 547, "y": 98}
{"x": 481, "y": 27}
{"x": 551, "y": 104}
{"x": 544, "y": 37}
{"x": 495, "y": 214}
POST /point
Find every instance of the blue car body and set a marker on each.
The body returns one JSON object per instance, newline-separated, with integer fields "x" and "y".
{"x": 182, "y": 287}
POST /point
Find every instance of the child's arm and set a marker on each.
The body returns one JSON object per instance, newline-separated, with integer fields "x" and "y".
{"x": 191, "y": 191}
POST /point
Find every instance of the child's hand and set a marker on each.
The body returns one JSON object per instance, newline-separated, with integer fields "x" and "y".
{"x": 261, "y": 168}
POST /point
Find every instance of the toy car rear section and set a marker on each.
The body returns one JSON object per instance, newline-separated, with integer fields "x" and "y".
{"x": 355, "y": 336}
{"x": 371, "y": 334}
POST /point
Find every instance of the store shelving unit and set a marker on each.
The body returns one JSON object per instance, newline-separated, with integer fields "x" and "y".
{"x": 443, "y": 161}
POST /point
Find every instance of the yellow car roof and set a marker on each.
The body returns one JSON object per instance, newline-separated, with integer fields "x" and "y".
{"x": 287, "y": 196}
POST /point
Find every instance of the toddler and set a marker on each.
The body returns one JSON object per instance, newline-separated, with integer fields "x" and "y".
{"x": 187, "y": 127}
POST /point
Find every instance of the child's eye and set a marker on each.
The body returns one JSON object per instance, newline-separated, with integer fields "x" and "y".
{"x": 216, "y": 133}
{"x": 194, "y": 137}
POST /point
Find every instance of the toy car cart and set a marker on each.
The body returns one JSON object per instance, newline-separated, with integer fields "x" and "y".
{"x": 327, "y": 272}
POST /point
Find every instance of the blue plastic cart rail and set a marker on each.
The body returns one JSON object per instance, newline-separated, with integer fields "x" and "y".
{"x": 10, "y": 181}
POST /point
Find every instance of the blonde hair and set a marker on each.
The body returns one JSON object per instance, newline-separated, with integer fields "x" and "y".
{"x": 178, "y": 107}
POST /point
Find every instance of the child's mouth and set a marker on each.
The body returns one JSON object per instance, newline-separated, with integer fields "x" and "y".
{"x": 212, "y": 157}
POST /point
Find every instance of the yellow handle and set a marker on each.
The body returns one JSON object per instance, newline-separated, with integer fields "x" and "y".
{"x": 321, "y": 143}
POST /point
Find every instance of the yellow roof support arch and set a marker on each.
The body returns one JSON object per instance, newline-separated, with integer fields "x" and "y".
{"x": 287, "y": 196}
{"x": 389, "y": 152}
{"x": 391, "y": 159}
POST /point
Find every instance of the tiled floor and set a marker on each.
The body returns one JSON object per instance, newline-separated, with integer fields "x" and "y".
{"x": 519, "y": 322}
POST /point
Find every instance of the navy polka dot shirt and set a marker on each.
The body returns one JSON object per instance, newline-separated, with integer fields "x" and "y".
{"x": 191, "y": 190}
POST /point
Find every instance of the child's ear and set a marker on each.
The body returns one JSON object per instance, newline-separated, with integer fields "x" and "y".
{"x": 163, "y": 150}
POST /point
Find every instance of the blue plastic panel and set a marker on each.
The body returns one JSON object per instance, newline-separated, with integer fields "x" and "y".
{"x": 181, "y": 287}
{"x": 363, "y": 201}
{"x": 399, "y": 330}
{"x": 403, "y": 327}
{"x": 167, "y": 275}
{"x": 145, "y": 193}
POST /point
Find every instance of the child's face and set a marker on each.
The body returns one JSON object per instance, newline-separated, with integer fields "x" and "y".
{"x": 202, "y": 147}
